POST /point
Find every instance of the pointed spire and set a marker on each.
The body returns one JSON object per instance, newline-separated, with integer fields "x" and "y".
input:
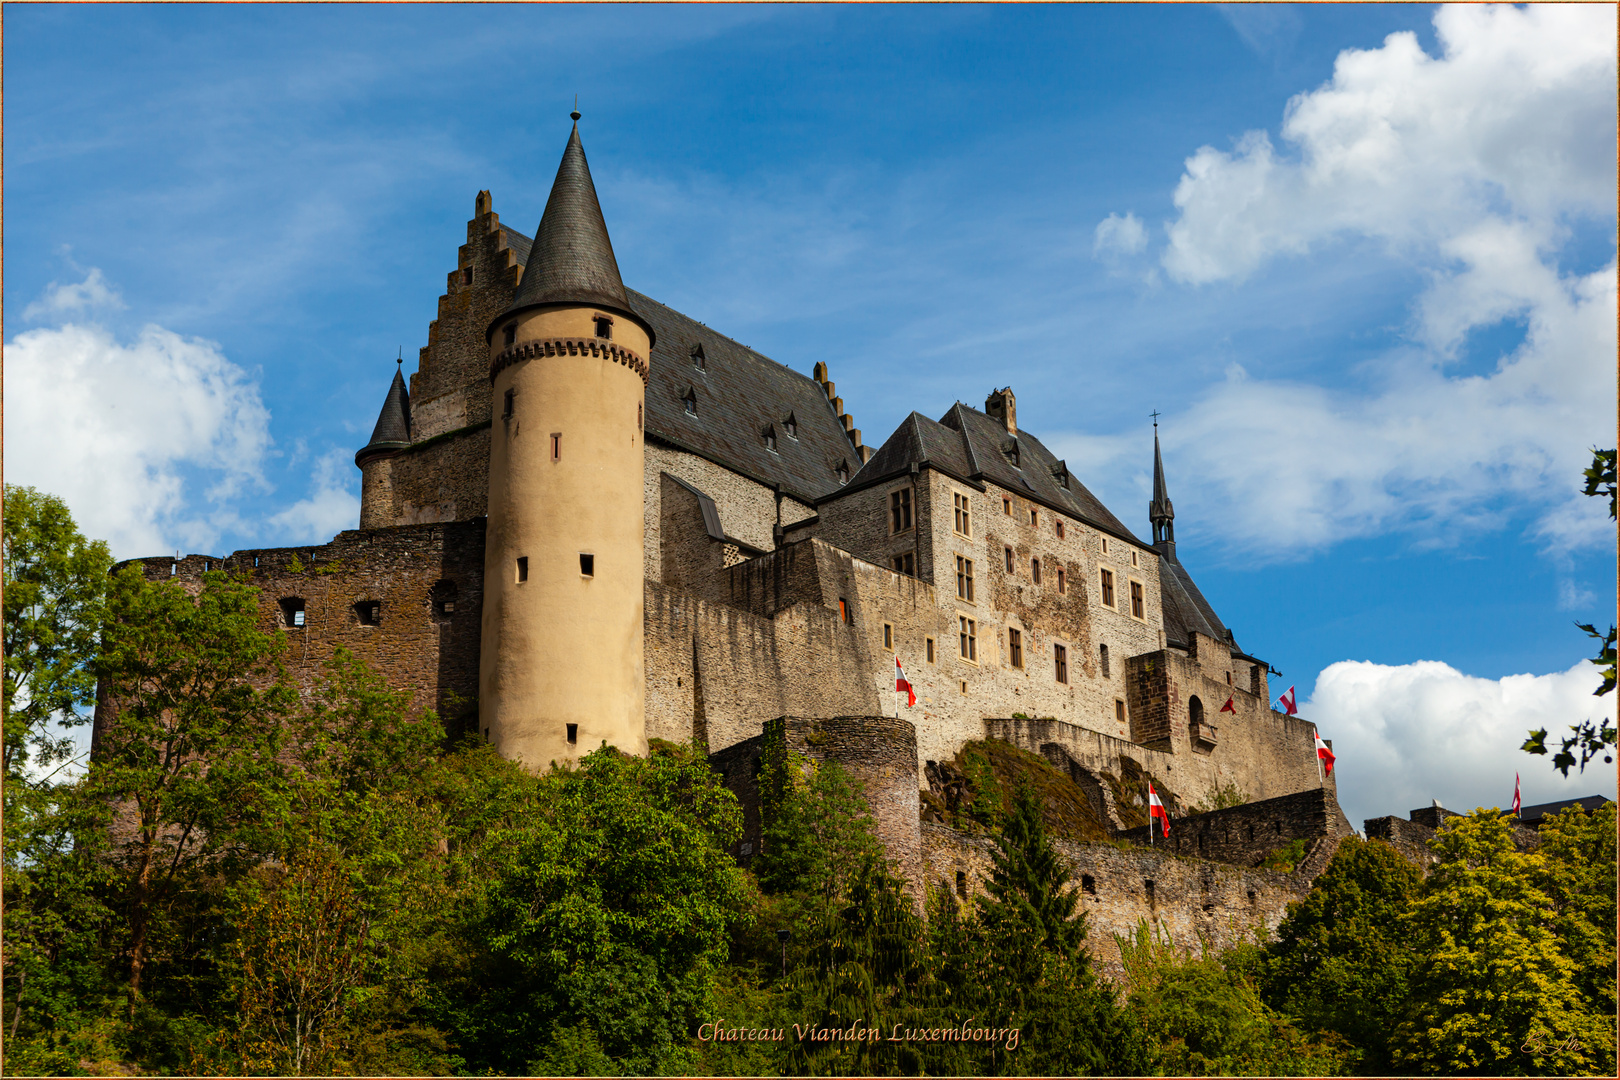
{"x": 393, "y": 430}
{"x": 1160, "y": 512}
{"x": 572, "y": 260}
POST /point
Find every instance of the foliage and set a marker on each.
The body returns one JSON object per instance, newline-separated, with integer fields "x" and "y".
{"x": 1493, "y": 992}
{"x": 1340, "y": 961}
{"x": 55, "y": 589}
{"x": 981, "y": 782}
{"x": 1286, "y": 857}
{"x": 1600, "y": 476}
{"x": 1225, "y": 796}
{"x": 820, "y": 836}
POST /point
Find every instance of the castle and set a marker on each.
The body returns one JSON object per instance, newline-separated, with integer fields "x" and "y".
{"x": 588, "y": 518}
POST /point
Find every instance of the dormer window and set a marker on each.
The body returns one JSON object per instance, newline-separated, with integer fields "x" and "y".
{"x": 604, "y": 327}
{"x": 791, "y": 426}
{"x": 842, "y": 471}
{"x": 770, "y": 439}
{"x": 699, "y": 361}
{"x": 691, "y": 401}
{"x": 1012, "y": 452}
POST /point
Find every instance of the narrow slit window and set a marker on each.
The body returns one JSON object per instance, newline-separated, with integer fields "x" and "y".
{"x": 1035, "y": 517}
{"x": 523, "y": 568}
{"x": 507, "y": 404}
{"x": 1035, "y": 571}
{"x": 928, "y": 648}
{"x": 1105, "y": 545}
{"x": 572, "y": 731}
{"x": 845, "y": 614}
{"x": 1006, "y": 506}
{"x": 466, "y": 275}
{"x": 1102, "y": 651}
{"x": 1008, "y": 554}
{"x": 888, "y": 636}
{"x": 1015, "y": 647}
{"x": 1060, "y": 659}
{"x": 1063, "y": 580}
{"x": 587, "y": 564}
{"x": 961, "y": 884}
{"x": 556, "y": 446}
{"x": 1119, "y": 710}
{"x": 509, "y": 334}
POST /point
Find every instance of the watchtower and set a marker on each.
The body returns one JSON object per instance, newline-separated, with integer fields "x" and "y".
{"x": 561, "y": 665}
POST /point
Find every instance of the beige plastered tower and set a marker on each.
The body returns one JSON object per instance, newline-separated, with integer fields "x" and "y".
{"x": 561, "y": 666}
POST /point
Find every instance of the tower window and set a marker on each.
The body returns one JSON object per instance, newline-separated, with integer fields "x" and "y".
{"x": 1102, "y": 652}
{"x": 604, "y": 326}
{"x": 587, "y": 564}
{"x": 369, "y": 612}
{"x": 1060, "y": 657}
{"x": 1035, "y": 571}
{"x": 556, "y": 446}
{"x": 292, "y": 611}
{"x": 1107, "y": 587}
{"x": 928, "y": 649}
{"x": 509, "y": 334}
{"x": 699, "y": 361}
{"x": 968, "y": 631}
{"x": 1138, "y": 607}
{"x": 900, "y": 510}
{"x": 691, "y": 401}
{"x": 1063, "y": 580}
{"x": 964, "y": 578}
{"x": 964, "y": 516}
{"x": 466, "y": 275}
{"x": 1008, "y": 555}
{"x": 523, "y": 568}
{"x": 508, "y": 404}
{"x": 1015, "y": 647}
{"x": 888, "y": 636}
{"x": 572, "y": 732}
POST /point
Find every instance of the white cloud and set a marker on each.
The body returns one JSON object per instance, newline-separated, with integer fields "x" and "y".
{"x": 1405, "y": 735}
{"x": 1472, "y": 168}
{"x": 118, "y": 430}
{"x": 330, "y": 507}
{"x": 1119, "y": 236}
{"x": 91, "y": 294}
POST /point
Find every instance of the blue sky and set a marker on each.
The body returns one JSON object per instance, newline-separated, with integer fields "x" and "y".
{"x": 1369, "y": 282}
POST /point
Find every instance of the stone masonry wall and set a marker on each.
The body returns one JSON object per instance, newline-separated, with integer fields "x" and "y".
{"x": 442, "y": 479}
{"x": 1245, "y": 835}
{"x": 411, "y": 571}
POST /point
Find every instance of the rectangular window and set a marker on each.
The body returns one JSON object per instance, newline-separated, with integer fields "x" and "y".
{"x": 1006, "y": 506}
{"x": 506, "y": 407}
{"x": 1102, "y": 652}
{"x": 1008, "y": 556}
{"x": 509, "y": 334}
{"x": 1063, "y": 581}
{"x": 929, "y": 648}
{"x": 1138, "y": 607}
{"x": 466, "y": 275}
{"x": 964, "y": 578}
{"x": 1107, "y": 588}
{"x": 1015, "y": 647}
{"x": 968, "y": 629}
{"x": 1060, "y": 529}
{"x": 604, "y": 326}
{"x": 1060, "y": 655}
{"x": 587, "y": 564}
{"x": 1134, "y": 554}
{"x": 523, "y": 568}
{"x": 900, "y": 510}
{"x": 1035, "y": 571}
{"x": 888, "y": 636}
{"x": 572, "y": 731}
{"x": 1119, "y": 710}
{"x": 905, "y": 563}
{"x": 556, "y": 446}
{"x": 845, "y": 615}
{"x": 964, "y": 516}
{"x": 1034, "y": 517}
{"x": 1105, "y": 545}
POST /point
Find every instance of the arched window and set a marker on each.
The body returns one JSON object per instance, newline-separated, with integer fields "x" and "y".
{"x": 1195, "y": 710}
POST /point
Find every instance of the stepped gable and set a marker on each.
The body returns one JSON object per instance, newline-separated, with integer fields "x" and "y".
{"x": 570, "y": 260}
{"x": 739, "y": 394}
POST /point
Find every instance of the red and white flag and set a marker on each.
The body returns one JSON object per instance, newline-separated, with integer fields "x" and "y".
{"x": 1323, "y": 754}
{"x": 902, "y": 686}
{"x": 1287, "y": 702}
{"x": 1156, "y": 810}
{"x": 1229, "y": 707}
{"x": 1515, "y": 794}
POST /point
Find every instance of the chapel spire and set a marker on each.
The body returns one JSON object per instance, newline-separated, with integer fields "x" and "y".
{"x": 1160, "y": 512}
{"x": 571, "y": 261}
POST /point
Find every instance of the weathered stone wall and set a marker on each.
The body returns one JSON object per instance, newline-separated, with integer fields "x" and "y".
{"x": 445, "y": 478}
{"x": 1245, "y": 835}
{"x": 411, "y": 571}
{"x": 1190, "y": 899}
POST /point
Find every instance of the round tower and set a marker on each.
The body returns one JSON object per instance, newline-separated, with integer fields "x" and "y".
{"x": 561, "y": 669}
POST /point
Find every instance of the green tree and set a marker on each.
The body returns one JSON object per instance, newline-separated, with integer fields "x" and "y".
{"x": 1494, "y": 991}
{"x": 1579, "y": 853}
{"x": 1029, "y": 885}
{"x": 818, "y": 838}
{"x": 1340, "y": 961}
{"x": 55, "y": 588}
{"x": 186, "y": 760}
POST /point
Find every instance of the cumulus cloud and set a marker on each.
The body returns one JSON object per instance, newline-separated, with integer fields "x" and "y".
{"x": 71, "y": 299}
{"x": 331, "y": 506}
{"x": 1406, "y": 735}
{"x": 1119, "y": 236}
{"x": 119, "y": 430}
{"x": 1472, "y": 167}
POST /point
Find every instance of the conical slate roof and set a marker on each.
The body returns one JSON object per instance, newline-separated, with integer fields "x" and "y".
{"x": 393, "y": 430}
{"x": 571, "y": 260}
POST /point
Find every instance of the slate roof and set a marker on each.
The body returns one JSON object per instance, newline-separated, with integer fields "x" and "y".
{"x": 1185, "y": 608}
{"x": 572, "y": 257}
{"x": 1532, "y": 815}
{"x": 393, "y": 430}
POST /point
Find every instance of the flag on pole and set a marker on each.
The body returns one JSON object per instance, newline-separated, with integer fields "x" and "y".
{"x": 1287, "y": 702}
{"x": 1156, "y": 810}
{"x": 1515, "y": 794}
{"x": 1229, "y": 707}
{"x": 902, "y": 686}
{"x": 1323, "y": 754}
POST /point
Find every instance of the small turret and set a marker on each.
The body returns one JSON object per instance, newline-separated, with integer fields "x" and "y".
{"x": 1160, "y": 512}
{"x": 391, "y": 435}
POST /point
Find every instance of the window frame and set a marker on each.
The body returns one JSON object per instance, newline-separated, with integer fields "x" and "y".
{"x": 964, "y": 579}
{"x": 1106, "y": 595}
{"x": 1015, "y": 647}
{"x": 904, "y": 562}
{"x": 1138, "y": 595}
{"x": 1060, "y": 662}
{"x": 888, "y": 636}
{"x": 964, "y": 515}
{"x": 929, "y": 650}
{"x": 1035, "y": 569}
{"x": 1062, "y": 581}
{"x": 967, "y": 646}
{"x": 1011, "y": 562}
{"x": 902, "y": 516}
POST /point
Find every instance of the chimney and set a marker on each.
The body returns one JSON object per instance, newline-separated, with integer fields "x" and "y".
{"x": 1004, "y": 407}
